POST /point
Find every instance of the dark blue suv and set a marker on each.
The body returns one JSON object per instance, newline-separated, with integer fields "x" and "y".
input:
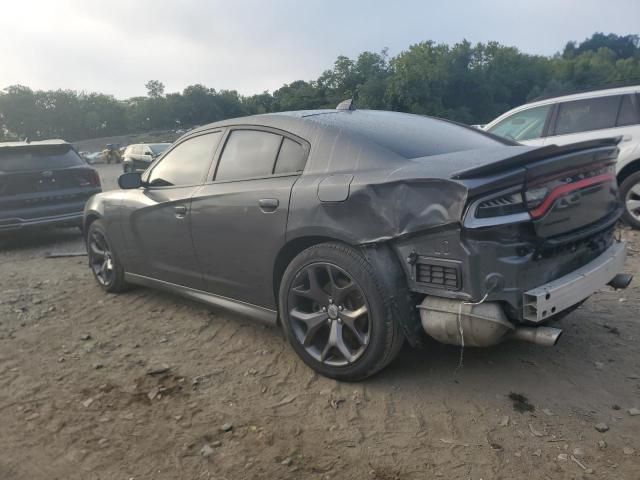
{"x": 43, "y": 183}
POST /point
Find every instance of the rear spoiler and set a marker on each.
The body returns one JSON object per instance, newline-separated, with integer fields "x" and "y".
{"x": 607, "y": 146}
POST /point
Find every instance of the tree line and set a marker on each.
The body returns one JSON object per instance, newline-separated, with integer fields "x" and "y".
{"x": 464, "y": 82}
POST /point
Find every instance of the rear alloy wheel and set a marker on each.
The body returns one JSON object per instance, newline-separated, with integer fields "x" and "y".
{"x": 103, "y": 262}
{"x": 329, "y": 314}
{"x": 334, "y": 313}
{"x": 630, "y": 193}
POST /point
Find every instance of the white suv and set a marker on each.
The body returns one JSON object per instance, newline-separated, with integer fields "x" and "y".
{"x": 585, "y": 116}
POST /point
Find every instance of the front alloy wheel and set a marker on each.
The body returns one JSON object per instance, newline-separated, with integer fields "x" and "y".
{"x": 100, "y": 258}
{"x": 103, "y": 261}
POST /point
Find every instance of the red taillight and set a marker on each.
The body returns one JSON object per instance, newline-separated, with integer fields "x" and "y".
{"x": 94, "y": 178}
{"x": 565, "y": 189}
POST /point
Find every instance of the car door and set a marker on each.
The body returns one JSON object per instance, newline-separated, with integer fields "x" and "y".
{"x": 526, "y": 126}
{"x": 157, "y": 215}
{"x": 239, "y": 220}
{"x": 597, "y": 117}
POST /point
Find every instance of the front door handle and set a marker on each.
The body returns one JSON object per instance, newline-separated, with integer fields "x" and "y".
{"x": 180, "y": 211}
{"x": 268, "y": 204}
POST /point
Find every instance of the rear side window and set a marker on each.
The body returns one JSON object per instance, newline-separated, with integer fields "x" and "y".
{"x": 24, "y": 160}
{"x": 628, "y": 114}
{"x": 588, "y": 114}
{"x": 247, "y": 154}
{"x": 291, "y": 158}
{"x": 187, "y": 163}
{"x": 525, "y": 125}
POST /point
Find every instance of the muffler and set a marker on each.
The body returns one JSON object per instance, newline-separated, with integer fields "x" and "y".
{"x": 621, "y": 281}
{"x": 477, "y": 325}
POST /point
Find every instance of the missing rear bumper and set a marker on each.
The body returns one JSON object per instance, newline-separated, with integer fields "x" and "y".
{"x": 551, "y": 298}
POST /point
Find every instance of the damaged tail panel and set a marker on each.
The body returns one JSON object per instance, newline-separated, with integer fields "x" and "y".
{"x": 526, "y": 223}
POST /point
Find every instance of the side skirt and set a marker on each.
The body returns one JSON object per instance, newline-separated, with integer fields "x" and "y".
{"x": 264, "y": 315}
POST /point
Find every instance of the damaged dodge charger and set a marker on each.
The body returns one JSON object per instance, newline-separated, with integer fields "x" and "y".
{"x": 356, "y": 230}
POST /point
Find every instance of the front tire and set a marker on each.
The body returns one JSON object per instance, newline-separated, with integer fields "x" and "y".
{"x": 103, "y": 261}
{"x": 336, "y": 313}
{"x": 630, "y": 194}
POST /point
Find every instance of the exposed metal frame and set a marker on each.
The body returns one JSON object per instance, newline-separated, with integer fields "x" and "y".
{"x": 543, "y": 302}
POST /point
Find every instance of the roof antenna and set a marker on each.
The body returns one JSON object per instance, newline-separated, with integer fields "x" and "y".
{"x": 346, "y": 105}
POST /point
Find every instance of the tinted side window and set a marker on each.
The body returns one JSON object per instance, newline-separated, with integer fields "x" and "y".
{"x": 588, "y": 114}
{"x": 524, "y": 125}
{"x": 628, "y": 114}
{"x": 187, "y": 163}
{"x": 291, "y": 158}
{"x": 248, "y": 153}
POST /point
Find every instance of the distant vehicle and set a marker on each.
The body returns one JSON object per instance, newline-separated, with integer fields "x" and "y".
{"x": 574, "y": 118}
{"x": 341, "y": 225}
{"x": 43, "y": 184}
{"x": 93, "y": 157}
{"x": 138, "y": 157}
{"x": 112, "y": 153}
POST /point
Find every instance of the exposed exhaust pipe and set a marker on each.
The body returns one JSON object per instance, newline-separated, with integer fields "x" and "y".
{"x": 545, "y": 336}
{"x": 477, "y": 325}
{"x": 621, "y": 281}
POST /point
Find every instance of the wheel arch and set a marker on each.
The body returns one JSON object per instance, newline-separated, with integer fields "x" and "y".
{"x": 289, "y": 251}
{"x": 89, "y": 218}
{"x": 629, "y": 169}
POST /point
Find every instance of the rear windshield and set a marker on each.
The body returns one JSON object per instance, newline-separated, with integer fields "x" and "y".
{"x": 410, "y": 136}
{"x": 22, "y": 160}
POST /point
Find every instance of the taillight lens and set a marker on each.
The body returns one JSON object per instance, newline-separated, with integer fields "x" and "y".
{"x": 535, "y": 197}
{"x": 506, "y": 204}
{"x": 94, "y": 178}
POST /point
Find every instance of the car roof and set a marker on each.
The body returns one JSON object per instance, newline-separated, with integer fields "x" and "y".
{"x": 402, "y": 134}
{"x": 567, "y": 98}
{"x": 588, "y": 94}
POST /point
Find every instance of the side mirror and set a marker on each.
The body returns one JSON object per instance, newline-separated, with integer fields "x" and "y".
{"x": 130, "y": 180}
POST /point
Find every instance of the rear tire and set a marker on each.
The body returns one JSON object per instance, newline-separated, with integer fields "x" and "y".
{"x": 630, "y": 194}
{"x": 103, "y": 260}
{"x": 342, "y": 324}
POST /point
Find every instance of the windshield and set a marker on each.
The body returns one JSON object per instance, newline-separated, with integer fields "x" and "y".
{"x": 24, "y": 160}
{"x": 524, "y": 125}
{"x": 158, "y": 148}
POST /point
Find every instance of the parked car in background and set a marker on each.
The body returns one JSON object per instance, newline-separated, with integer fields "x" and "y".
{"x": 341, "y": 225}
{"x": 93, "y": 157}
{"x": 138, "y": 157}
{"x": 43, "y": 183}
{"x": 585, "y": 116}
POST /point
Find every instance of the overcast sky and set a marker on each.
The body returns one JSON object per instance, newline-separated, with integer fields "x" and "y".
{"x": 115, "y": 46}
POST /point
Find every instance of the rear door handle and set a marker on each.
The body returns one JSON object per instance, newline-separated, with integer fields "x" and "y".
{"x": 268, "y": 204}
{"x": 180, "y": 211}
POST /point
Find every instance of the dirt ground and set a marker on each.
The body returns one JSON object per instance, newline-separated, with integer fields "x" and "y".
{"x": 146, "y": 385}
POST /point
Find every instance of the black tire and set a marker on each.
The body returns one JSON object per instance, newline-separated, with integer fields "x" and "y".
{"x": 384, "y": 333}
{"x": 627, "y": 194}
{"x": 114, "y": 282}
